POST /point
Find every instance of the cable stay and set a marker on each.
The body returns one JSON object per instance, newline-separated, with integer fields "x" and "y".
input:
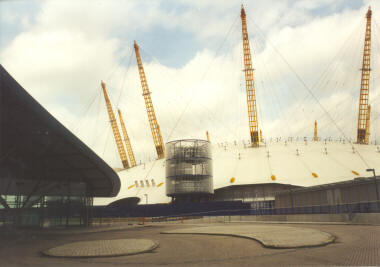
{"x": 274, "y": 94}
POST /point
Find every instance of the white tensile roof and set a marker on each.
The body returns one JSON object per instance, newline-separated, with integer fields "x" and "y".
{"x": 295, "y": 163}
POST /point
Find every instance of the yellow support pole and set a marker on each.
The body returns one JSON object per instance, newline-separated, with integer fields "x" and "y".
{"x": 249, "y": 83}
{"x": 207, "y": 136}
{"x": 115, "y": 129}
{"x": 154, "y": 127}
{"x": 363, "y": 116}
{"x": 315, "y": 131}
{"x": 127, "y": 141}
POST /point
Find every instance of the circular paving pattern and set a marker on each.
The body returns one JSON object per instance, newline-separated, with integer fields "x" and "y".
{"x": 102, "y": 248}
{"x": 268, "y": 235}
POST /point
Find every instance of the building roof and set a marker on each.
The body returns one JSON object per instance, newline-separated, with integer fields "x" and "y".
{"x": 348, "y": 183}
{"x": 290, "y": 162}
{"x": 34, "y": 146}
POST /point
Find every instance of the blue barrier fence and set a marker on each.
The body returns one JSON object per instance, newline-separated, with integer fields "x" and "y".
{"x": 227, "y": 208}
{"x": 156, "y": 210}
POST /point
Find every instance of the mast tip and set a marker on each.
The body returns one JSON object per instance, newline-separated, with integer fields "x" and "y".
{"x": 369, "y": 12}
{"x": 242, "y": 12}
{"x": 103, "y": 84}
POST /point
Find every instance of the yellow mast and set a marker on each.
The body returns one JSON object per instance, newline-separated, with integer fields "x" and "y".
{"x": 207, "y": 136}
{"x": 115, "y": 129}
{"x": 363, "y": 116}
{"x": 154, "y": 127}
{"x": 315, "y": 132}
{"x": 127, "y": 141}
{"x": 249, "y": 84}
{"x": 367, "y": 126}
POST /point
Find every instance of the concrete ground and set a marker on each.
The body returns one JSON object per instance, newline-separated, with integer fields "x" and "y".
{"x": 102, "y": 248}
{"x": 355, "y": 245}
{"x": 270, "y": 236}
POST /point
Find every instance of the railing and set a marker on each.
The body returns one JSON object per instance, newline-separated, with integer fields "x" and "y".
{"x": 358, "y": 207}
{"x": 348, "y": 208}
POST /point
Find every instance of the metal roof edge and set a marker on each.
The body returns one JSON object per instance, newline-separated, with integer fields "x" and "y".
{"x": 52, "y": 122}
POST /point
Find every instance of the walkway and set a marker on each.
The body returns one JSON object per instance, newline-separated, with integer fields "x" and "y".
{"x": 102, "y": 248}
{"x": 269, "y": 235}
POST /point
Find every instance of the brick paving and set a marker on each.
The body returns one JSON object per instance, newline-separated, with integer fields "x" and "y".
{"x": 366, "y": 250}
{"x": 356, "y": 245}
{"x": 102, "y": 248}
{"x": 269, "y": 235}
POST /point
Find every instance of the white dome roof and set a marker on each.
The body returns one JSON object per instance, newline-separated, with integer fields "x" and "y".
{"x": 295, "y": 163}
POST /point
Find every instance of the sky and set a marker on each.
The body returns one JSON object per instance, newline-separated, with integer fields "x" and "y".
{"x": 306, "y": 55}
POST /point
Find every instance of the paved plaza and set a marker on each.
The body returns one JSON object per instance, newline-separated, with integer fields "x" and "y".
{"x": 102, "y": 248}
{"x": 269, "y": 236}
{"x": 355, "y": 245}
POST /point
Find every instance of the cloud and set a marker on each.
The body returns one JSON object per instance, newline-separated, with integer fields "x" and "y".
{"x": 62, "y": 55}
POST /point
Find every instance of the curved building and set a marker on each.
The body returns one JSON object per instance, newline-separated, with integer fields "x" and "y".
{"x": 48, "y": 177}
{"x": 254, "y": 170}
{"x": 258, "y": 172}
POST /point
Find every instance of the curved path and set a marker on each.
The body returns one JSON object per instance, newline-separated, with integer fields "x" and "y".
{"x": 102, "y": 248}
{"x": 270, "y": 236}
{"x": 355, "y": 245}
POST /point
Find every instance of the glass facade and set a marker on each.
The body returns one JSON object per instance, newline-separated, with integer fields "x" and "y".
{"x": 68, "y": 207}
{"x": 47, "y": 175}
{"x": 188, "y": 168}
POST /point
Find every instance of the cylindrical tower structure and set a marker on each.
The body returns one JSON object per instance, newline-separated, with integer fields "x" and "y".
{"x": 189, "y": 170}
